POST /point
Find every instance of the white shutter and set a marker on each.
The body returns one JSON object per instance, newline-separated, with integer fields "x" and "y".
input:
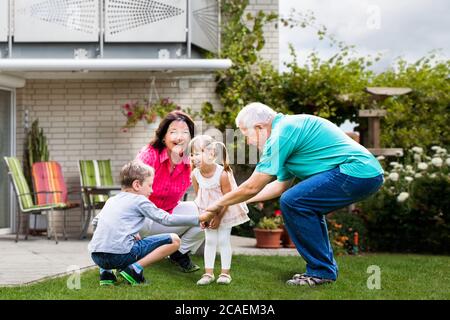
{"x": 56, "y": 21}
{"x": 205, "y": 24}
{"x": 4, "y": 20}
{"x": 145, "y": 21}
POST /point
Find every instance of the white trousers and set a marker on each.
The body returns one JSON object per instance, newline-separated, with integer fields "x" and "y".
{"x": 191, "y": 236}
{"x": 221, "y": 238}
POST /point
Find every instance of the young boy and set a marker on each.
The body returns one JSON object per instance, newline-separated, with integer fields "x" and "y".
{"x": 116, "y": 243}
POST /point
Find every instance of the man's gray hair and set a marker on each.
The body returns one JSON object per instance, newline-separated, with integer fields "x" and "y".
{"x": 253, "y": 114}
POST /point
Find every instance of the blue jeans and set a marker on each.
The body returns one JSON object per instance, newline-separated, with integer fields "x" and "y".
{"x": 304, "y": 207}
{"x": 139, "y": 250}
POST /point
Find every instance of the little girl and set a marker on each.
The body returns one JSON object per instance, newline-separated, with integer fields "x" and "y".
{"x": 211, "y": 181}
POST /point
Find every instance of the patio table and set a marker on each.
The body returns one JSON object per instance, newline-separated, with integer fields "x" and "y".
{"x": 94, "y": 190}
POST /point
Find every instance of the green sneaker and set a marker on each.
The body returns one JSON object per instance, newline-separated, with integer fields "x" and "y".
{"x": 107, "y": 278}
{"x": 132, "y": 276}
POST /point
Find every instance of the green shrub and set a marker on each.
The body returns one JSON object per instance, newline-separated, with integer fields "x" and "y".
{"x": 342, "y": 226}
{"x": 411, "y": 211}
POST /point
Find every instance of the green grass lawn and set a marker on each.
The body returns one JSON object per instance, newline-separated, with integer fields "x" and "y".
{"x": 257, "y": 278}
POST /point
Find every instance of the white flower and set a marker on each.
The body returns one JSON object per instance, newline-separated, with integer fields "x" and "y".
{"x": 402, "y": 197}
{"x": 409, "y": 168}
{"x": 380, "y": 158}
{"x": 394, "y": 176}
{"x": 409, "y": 179}
{"x": 417, "y": 157}
{"x": 435, "y": 148}
{"x": 442, "y": 151}
{"x": 418, "y": 150}
{"x": 418, "y": 175}
{"x": 393, "y": 164}
{"x": 447, "y": 161}
{"x": 433, "y": 175}
{"x": 437, "y": 162}
{"x": 422, "y": 166}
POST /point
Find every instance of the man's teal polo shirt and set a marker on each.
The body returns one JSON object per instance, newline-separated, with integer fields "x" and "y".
{"x": 303, "y": 145}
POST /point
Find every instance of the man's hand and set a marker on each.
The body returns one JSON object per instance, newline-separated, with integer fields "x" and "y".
{"x": 214, "y": 208}
{"x": 206, "y": 217}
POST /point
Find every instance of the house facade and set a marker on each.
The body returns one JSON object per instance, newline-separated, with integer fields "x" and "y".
{"x": 73, "y": 64}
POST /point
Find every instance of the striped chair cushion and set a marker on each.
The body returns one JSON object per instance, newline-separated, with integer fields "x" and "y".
{"x": 96, "y": 173}
{"x": 47, "y": 176}
{"x": 20, "y": 183}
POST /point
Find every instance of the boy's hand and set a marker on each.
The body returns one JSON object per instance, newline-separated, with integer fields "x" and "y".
{"x": 137, "y": 237}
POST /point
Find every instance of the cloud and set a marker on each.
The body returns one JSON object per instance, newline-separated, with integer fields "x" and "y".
{"x": 408, "y": 28}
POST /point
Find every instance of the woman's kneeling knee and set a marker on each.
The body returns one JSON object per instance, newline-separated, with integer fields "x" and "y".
{"x": 175, "y": 239}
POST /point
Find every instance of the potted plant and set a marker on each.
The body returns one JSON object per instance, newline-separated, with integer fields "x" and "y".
{"x": 286, "y": 240}
{"x": 147, "y": 111}
{"x": 35, "y": 150}
{"x": 268, "y": 232}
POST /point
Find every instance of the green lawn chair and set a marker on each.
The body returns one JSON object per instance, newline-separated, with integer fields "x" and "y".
{"x": 93, "y": 173}
{"x": 25, "y": 198}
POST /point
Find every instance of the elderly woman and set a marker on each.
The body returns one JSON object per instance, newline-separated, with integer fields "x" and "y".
{"x": 166, "y": 154}
{"x": 334, "y": 170}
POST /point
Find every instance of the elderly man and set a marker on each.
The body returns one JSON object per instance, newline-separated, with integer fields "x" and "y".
{"x": 334, "y": 170}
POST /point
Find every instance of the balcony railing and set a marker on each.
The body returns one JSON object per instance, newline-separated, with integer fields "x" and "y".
{"x": 108, "y": 28}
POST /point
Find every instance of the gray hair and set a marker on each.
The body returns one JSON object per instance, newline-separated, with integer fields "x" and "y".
{"x": 135, "y": 170}
{"x": 253, "y": 114}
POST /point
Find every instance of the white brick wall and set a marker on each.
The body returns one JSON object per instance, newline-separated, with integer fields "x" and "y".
{"x": 271, "y": 34}
{"x": 82, "y": 119}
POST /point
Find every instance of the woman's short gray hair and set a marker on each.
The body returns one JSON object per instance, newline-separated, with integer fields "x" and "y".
{"x": 253, "y": 114}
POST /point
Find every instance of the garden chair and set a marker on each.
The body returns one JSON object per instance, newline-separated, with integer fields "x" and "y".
{"x": 25, "y": 197}
{"x": 48, "y": 177}
{"x": 94, "y": 174}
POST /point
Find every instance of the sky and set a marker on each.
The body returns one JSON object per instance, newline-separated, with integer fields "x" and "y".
{"x": 395, "y": 28}
{"x": 407, "y": 28}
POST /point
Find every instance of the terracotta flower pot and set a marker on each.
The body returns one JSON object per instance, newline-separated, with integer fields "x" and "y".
{"x": 286, "y": 239}
{"x": 268, "y": 238}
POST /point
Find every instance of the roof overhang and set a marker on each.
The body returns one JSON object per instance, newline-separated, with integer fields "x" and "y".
{"x": 15, "y": 71}
{"x": 74, "y": 65}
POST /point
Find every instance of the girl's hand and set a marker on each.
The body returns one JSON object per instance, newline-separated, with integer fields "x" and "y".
{"x": 215, "y": 223}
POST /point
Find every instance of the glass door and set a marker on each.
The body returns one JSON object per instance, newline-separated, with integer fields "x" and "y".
{"x": 6, "y": 149}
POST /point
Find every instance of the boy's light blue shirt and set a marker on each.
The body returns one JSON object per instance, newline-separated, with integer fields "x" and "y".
{"x": 303, "y": 145}
{"x": 123, "y": 216}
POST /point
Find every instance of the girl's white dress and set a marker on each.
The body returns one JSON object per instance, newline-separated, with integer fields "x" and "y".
{"x": 209, "y": 191}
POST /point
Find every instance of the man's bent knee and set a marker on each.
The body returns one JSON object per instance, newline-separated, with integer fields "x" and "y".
{"x": 286, "y": 199}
